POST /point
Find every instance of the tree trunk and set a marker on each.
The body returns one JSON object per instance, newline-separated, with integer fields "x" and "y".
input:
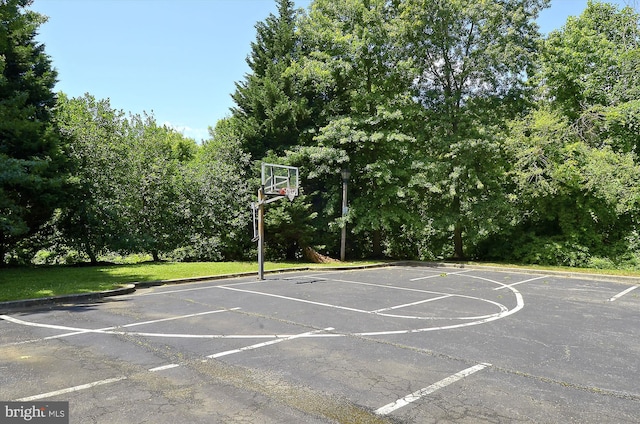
{"x": 155, "y": 255}
{"x": 92, "y": 256}
{"x": 458, "y": 248}
{"x": 87, "y": 247}
{"x": 377, "y": 244}
{"x": 2, "y": 251}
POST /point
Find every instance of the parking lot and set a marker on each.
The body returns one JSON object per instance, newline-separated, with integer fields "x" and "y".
{"x": 400, "y": 344}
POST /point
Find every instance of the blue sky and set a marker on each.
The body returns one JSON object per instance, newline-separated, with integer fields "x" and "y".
{"x": 176, "y": 58}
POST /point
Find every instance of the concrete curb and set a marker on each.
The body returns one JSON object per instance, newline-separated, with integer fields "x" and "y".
{"x": 22, "y": 305}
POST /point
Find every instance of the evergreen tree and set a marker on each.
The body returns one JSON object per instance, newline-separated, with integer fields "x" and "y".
{"x": 31, "y": 162}
{"x": 269, "y": 113}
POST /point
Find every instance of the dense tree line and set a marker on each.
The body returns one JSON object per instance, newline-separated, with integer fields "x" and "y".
{"x": 468, "y": 135}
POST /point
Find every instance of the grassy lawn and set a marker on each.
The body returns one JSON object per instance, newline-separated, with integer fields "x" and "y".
{"x": 36, "y": 282}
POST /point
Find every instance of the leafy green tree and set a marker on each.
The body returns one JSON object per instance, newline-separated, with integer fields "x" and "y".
{"x": 220, "y": 193}
{"x": 156, "y": 212}
{"x": 350, "y": 62}
{"x": 574, "y": 158}
{"x": 593, "y": 59}
{"x": 31, "y": 160}
{"x": 90, "y": 220}
{"x": 575, "y": 201}
{"x": 470, "y": 62}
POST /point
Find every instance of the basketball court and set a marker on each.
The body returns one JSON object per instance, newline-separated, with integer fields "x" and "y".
{"x": 400, "y": 344}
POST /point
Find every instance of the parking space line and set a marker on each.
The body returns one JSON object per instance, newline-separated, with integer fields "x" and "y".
{"x": 164, "y": 367}
{"x": 271, "y": 342}
{"x": 70, "y": 389}
{"x": 167, "y": 367}
{"x": 428, "y": 390}
{"x": 622, "y": 293}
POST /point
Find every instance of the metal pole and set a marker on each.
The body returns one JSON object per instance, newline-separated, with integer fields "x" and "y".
{"x": 343, "y": 241}
{"x": 261, "y": 233}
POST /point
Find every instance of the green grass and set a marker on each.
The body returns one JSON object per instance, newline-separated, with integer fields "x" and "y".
{"x": 45, "y": 281}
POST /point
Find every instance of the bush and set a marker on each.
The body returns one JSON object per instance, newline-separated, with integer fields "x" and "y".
{"x": 601, "y": 263}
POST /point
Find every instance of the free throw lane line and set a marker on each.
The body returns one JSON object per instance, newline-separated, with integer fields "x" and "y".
{"x": 387, "y": 409}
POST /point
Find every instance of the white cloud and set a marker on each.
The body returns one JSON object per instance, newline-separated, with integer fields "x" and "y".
{"x": 197, "y": 134}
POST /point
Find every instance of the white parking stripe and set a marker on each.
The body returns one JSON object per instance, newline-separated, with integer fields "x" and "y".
{"x": 428, "y": 390}
{"x": 164, "y": 367}
{"x": 71, "y": 389}
{"x": 263, "y": 344}
{"x": 619, "y": 295}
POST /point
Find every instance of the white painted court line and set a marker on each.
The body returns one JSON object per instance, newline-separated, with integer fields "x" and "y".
{"x": 412, "y": 304}
{"x": 164, "y": 367}
{"x": 296, "y": 299}
{"x": 506, "y": 286}
{"x": 502, "y": 308}
{"x": 505, "y": 311}
{"x": 71, "y": 389}
{"x": 167, "y": 367}
{"x": 428, "y": 390}
{"x": 259, "y": 345}
{"x": 106, "y": 330}
{"x": 440, "y": 275}
{"x": 622, "y": 293}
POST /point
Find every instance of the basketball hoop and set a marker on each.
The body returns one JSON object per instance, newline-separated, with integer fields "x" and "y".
{"x": 278, "y": 181}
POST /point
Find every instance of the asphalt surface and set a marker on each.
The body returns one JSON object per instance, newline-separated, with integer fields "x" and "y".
{"x": 403, "y": 344}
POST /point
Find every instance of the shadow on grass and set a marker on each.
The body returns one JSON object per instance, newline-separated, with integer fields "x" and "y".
{"x": 76, "y": 308}
{"x": 22, "y": 283}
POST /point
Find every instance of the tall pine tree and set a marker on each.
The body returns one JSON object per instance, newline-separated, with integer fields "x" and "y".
{"x": 269, "y": 113}
{"x": 30, "y": 157}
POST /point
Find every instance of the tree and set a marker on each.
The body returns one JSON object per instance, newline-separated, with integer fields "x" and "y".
{"x": 593, "y": 59}
{"x": 31, "y": 151}
{"x": 156, "y": 210}
{"x": 219, "y": 193}
{"x": 351, "y": 64}
{"x": 470, "y": 62}
{"x": 574, "y": 157}
{"x": 91, "y": 216}
{"x": 271, "y": 115}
